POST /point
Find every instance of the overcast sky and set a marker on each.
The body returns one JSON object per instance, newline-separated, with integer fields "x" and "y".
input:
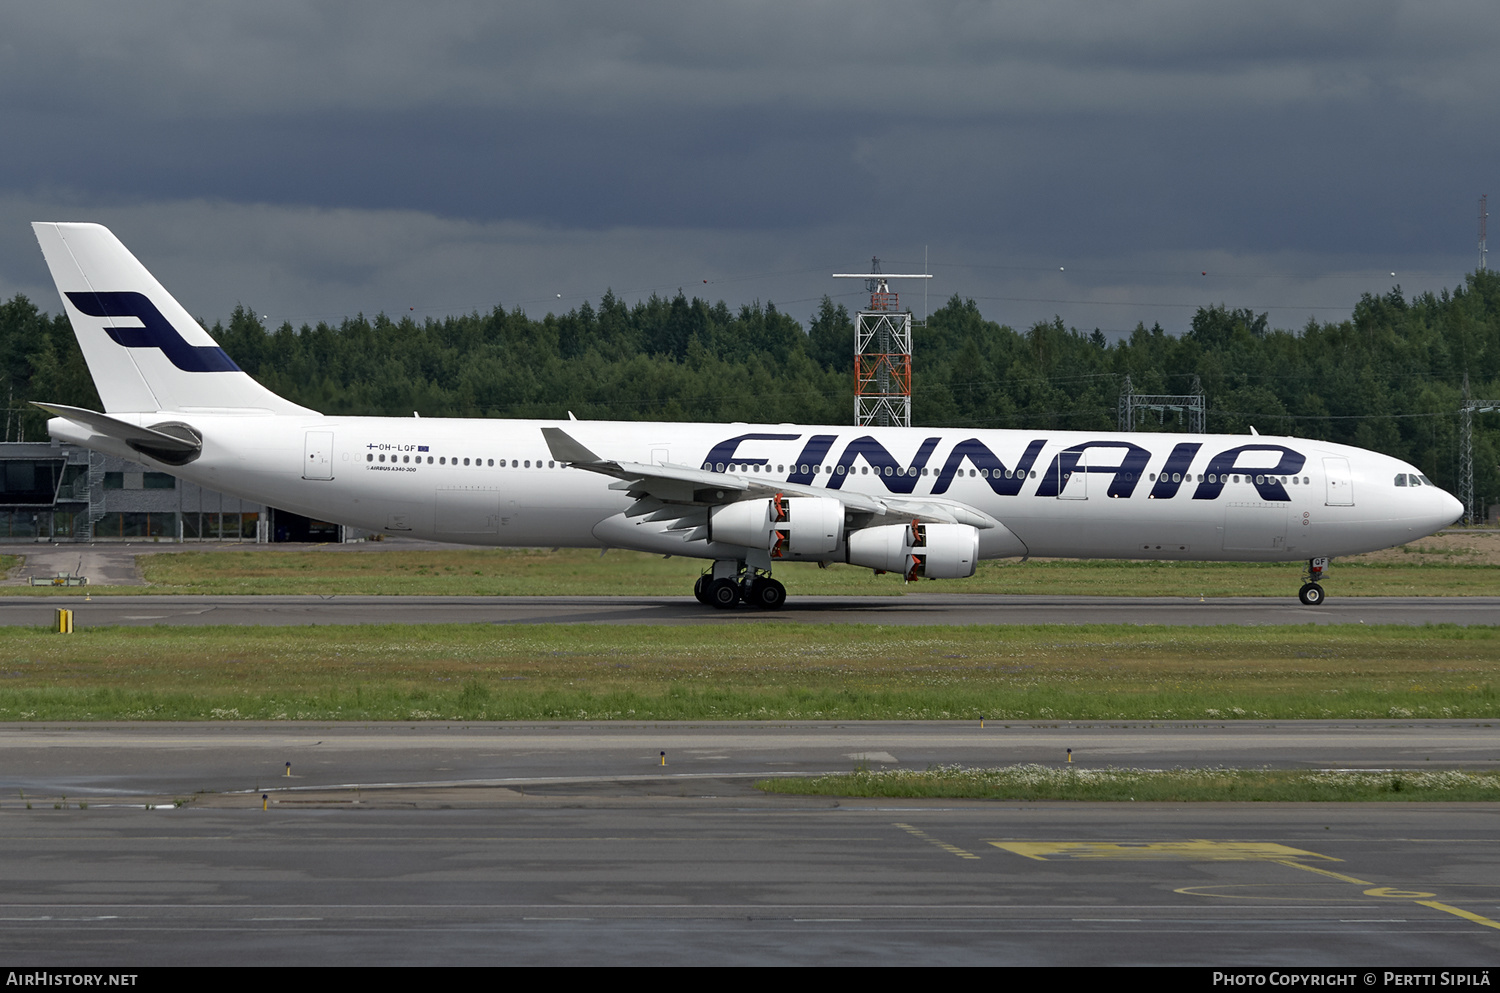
{"x": 1090, "y": 160}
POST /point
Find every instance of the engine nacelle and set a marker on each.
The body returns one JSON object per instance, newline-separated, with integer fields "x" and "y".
{"x": 887, "y": 548}
{"x": 799, "y": 527}
{"x": 951, "y": 552}
{"x": 745, "y": 523}
{"x": 810, "y": 526}
{"x": 937, "y": 551}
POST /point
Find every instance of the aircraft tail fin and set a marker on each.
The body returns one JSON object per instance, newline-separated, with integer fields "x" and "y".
{"x": 144, "y": 351}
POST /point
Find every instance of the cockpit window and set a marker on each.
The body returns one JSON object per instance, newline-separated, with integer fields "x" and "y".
{"x": 1426, "y": 481}
{"x": 1400, "y": 479}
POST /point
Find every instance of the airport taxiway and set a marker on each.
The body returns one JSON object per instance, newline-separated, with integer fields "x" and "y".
{"x": 570, "y": 843}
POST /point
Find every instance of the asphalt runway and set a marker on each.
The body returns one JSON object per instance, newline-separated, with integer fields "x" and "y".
{"x": 911, "y": 609}
{"x": 572, "y": 844}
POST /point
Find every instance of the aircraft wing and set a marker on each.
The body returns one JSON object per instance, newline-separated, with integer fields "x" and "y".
{"x": 682, "y": 494}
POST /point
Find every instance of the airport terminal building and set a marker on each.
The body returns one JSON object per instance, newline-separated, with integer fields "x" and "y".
{"x": 55, "y": 492}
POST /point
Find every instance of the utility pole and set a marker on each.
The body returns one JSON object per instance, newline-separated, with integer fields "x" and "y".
{"x": 1466, "y": 454}
{"x": 1484, "y": 213}
{"x": 1466, "y": 450}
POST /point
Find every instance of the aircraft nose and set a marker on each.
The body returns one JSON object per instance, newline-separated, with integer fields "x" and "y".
{"x": 1450, "y": 509}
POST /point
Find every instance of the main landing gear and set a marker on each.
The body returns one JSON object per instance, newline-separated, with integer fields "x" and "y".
{"x": 730, "y": 582}
{"x": 1311, "y": 593}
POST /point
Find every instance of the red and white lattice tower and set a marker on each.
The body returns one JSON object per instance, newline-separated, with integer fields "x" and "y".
{"x": 882, "y": 352}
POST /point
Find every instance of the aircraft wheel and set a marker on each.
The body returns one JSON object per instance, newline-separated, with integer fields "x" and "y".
{"x": 1311, "y": 594}
{"x": 767, "y": 594}
{"x": 724, "y": 593}
{"x": 700, "y": 590}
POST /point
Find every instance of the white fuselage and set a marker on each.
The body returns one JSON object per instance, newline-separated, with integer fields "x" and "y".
{"x": 1057, "y": 493}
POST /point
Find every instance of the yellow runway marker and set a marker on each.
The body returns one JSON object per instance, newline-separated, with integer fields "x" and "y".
{"x": 1219, "y": 851}
{"x": 1457, "y": 912}
{"x": 1159, "y": 851}
{"x": 1334, "y": 875}
{"x": 950, "y": 849}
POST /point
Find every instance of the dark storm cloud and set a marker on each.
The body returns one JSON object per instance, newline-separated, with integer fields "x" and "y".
{"x": 590, "y": 171}
{"x": 1120, "y": 136}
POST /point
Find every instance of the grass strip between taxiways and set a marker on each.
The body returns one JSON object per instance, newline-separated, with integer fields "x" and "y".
{"x": 1069, "y": 782}
{"x": 749, "y": 672}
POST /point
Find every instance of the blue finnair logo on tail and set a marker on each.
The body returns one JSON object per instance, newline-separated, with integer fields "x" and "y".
{"x": 157, "y": 333}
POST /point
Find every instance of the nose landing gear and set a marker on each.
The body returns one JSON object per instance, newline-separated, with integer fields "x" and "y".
{"x": 1311, "y": 593}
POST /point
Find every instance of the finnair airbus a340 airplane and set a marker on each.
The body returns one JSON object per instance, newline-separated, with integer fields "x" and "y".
{"x": 914, "y": 501}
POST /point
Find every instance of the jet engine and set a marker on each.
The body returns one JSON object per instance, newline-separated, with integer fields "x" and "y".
{"x": 796, "y": 527}
{"x": 809, "y": 526}
{"x": 745, "y": 523}
{"x": 937, "y": 551}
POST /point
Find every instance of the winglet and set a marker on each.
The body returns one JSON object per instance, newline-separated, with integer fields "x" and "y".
{"x": 565, "y": 449}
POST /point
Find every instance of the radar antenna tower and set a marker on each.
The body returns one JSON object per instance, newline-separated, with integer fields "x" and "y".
{"x": 882, "y": 352}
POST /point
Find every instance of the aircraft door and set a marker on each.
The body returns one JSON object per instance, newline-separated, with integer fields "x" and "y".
{"x": 317, "y": 455}
{"x": 1074, "y": 485}
{"x": 1340, "y": 482}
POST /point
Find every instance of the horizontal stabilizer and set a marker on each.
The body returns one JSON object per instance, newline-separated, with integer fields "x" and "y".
{"x": 170, "y": 442}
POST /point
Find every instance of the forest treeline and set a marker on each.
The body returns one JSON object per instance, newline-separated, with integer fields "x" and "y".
{"x": 1389, "y": 377}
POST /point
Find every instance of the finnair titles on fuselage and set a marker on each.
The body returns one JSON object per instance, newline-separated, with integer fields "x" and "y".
{"x": 913, "y": 501}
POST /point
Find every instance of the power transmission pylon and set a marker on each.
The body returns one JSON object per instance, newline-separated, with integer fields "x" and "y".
{"x": 1192, "y": 405}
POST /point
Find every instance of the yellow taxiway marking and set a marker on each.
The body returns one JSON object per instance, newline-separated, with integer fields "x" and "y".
{"x": 950, "y": 849}
{"x": 1219, "y": 851}
{"x": 1157, "y": 851}
{"x": 1334, "y": 875}
{"x": 1395, "y": 894}
{"x": 1458, "y": 912}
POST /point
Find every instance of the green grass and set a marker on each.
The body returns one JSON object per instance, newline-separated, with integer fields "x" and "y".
{"x": 1036, "y": 782}
{"x": 578, "y": 572}
{"x": 749, "y": 672}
